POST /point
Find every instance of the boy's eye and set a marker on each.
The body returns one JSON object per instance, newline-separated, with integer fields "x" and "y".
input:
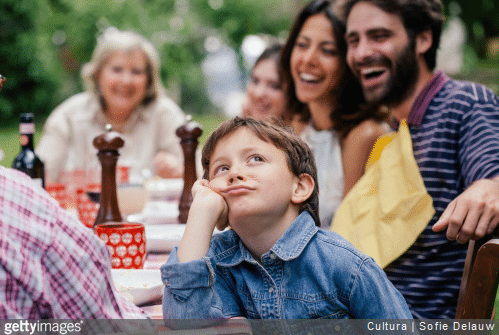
{"x": 220, "y": 169}
{"x": 256, "y": 158}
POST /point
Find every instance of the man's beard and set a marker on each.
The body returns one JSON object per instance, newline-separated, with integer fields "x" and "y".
{"x": 401, "y": 83}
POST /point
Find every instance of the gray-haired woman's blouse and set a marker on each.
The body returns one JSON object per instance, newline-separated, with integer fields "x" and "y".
{"x": 66, "y": 142}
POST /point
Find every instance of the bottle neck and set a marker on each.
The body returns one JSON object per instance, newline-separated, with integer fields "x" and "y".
{"x": 27, "y": 131}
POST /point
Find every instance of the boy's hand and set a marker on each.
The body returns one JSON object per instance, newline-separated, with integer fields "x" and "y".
{"x": 214, "y": 202}
{"x": 208, "y": 210}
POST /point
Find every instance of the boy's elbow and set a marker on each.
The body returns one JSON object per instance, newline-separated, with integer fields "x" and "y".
{"x": 180, "y": 309}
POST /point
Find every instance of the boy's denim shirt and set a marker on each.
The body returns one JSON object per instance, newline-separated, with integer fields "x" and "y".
{"x": 308, "y": 273}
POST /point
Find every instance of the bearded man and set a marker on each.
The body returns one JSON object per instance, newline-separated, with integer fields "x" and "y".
{"x": 454, "y": 128}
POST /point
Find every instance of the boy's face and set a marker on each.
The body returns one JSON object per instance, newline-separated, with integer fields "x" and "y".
{"x": 252, "y": 176}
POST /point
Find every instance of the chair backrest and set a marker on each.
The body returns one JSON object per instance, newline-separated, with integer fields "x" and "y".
{"x": 480, "y": 279}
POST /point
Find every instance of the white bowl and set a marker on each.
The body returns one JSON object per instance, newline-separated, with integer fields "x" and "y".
{"x": 139, "y": 286}
{"x": 163, "y": 238}
{"x": 166, "y": 189}
{"x": 156, "y": 213}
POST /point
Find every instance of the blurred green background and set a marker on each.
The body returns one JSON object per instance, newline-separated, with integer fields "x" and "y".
{"x": 44, "y": 43}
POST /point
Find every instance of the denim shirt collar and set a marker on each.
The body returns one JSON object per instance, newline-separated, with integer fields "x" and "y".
{"x": 289, "y": 246}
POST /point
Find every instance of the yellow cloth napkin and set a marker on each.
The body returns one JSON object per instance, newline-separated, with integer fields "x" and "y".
{"x": 389, "y": 206}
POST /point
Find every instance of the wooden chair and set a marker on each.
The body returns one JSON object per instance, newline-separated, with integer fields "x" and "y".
{"x": 480, "y": 279}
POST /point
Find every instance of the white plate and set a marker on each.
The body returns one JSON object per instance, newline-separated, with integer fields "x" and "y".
{"x": 163, "y": 238}
{"x": 165, "y": 189}
{"x": 157, "y": 213}
{"x": 139, "y": 286}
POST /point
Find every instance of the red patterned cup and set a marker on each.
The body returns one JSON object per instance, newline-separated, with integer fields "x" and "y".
{"x": 126, "y": 242}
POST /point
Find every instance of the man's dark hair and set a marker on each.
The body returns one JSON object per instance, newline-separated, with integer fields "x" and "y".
{"x": 299, "y": 157}
{"x": 417, "y": 15}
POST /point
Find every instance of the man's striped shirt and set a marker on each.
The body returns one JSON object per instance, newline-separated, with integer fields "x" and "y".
{"x": 454, "y": 128}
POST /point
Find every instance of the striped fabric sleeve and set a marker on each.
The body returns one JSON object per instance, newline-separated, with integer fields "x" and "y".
{"x": 479, "y": 136}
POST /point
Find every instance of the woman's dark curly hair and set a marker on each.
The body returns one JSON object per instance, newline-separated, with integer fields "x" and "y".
{"x": 351, "y": 109}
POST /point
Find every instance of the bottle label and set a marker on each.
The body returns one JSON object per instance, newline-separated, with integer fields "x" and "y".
{"x": 27, "y": 128}
{"x": 38, "y": 182}
{"x": 24, "y": 140}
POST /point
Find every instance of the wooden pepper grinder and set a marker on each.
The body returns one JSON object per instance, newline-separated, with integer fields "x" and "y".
{"x": 189, "y": 134}
{"x": 108, "y": 145}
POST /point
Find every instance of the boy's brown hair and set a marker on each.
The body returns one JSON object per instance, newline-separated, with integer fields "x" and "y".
{"x": 298, "y": 154}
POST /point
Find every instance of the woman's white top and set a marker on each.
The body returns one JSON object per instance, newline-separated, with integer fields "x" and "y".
{"x": 67, "y": 140}
{"x": 325, "y": 145}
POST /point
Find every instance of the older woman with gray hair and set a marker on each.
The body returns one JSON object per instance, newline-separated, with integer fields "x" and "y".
{"x": 124, "y": 89}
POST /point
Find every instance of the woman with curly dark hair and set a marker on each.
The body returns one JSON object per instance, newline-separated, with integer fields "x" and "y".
{"x": 340, "y": 127}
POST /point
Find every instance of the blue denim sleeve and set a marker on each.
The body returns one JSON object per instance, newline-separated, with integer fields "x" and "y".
{"x": 193, "y": 290}
{"x": 373, "y": 296}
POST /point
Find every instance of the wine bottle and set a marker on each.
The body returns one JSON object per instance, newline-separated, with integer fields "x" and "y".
{"x": 27, "y": 161}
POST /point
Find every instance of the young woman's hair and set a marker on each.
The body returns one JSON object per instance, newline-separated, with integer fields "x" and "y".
{"x": 299, "y": 157}
{"x": 351, "y": 108}
{"x": 113, "y": 40}
{"x": 272, "y": 52}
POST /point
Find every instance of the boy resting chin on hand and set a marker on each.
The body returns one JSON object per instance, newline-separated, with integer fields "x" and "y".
{"x": 274, "y": 262}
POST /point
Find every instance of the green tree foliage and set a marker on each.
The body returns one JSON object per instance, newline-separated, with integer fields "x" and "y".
{"x": 24, "y": 60}
{"x": 45, "y": 42}
{"x": 481, "y": 18}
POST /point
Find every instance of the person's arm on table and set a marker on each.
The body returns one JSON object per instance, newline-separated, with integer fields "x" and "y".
{"x": 167, "y": 165}
{"x": 169, "y": 159}
{"x": 54, "y": 145}
{"x": 475, "y": 212}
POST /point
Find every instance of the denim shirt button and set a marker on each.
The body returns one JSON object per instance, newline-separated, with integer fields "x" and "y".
{"x": 271, "y": 290}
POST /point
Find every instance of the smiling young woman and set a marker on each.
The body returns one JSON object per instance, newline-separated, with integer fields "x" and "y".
{"x": 265, "y": 97}
{"x": 341, "y": 127}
